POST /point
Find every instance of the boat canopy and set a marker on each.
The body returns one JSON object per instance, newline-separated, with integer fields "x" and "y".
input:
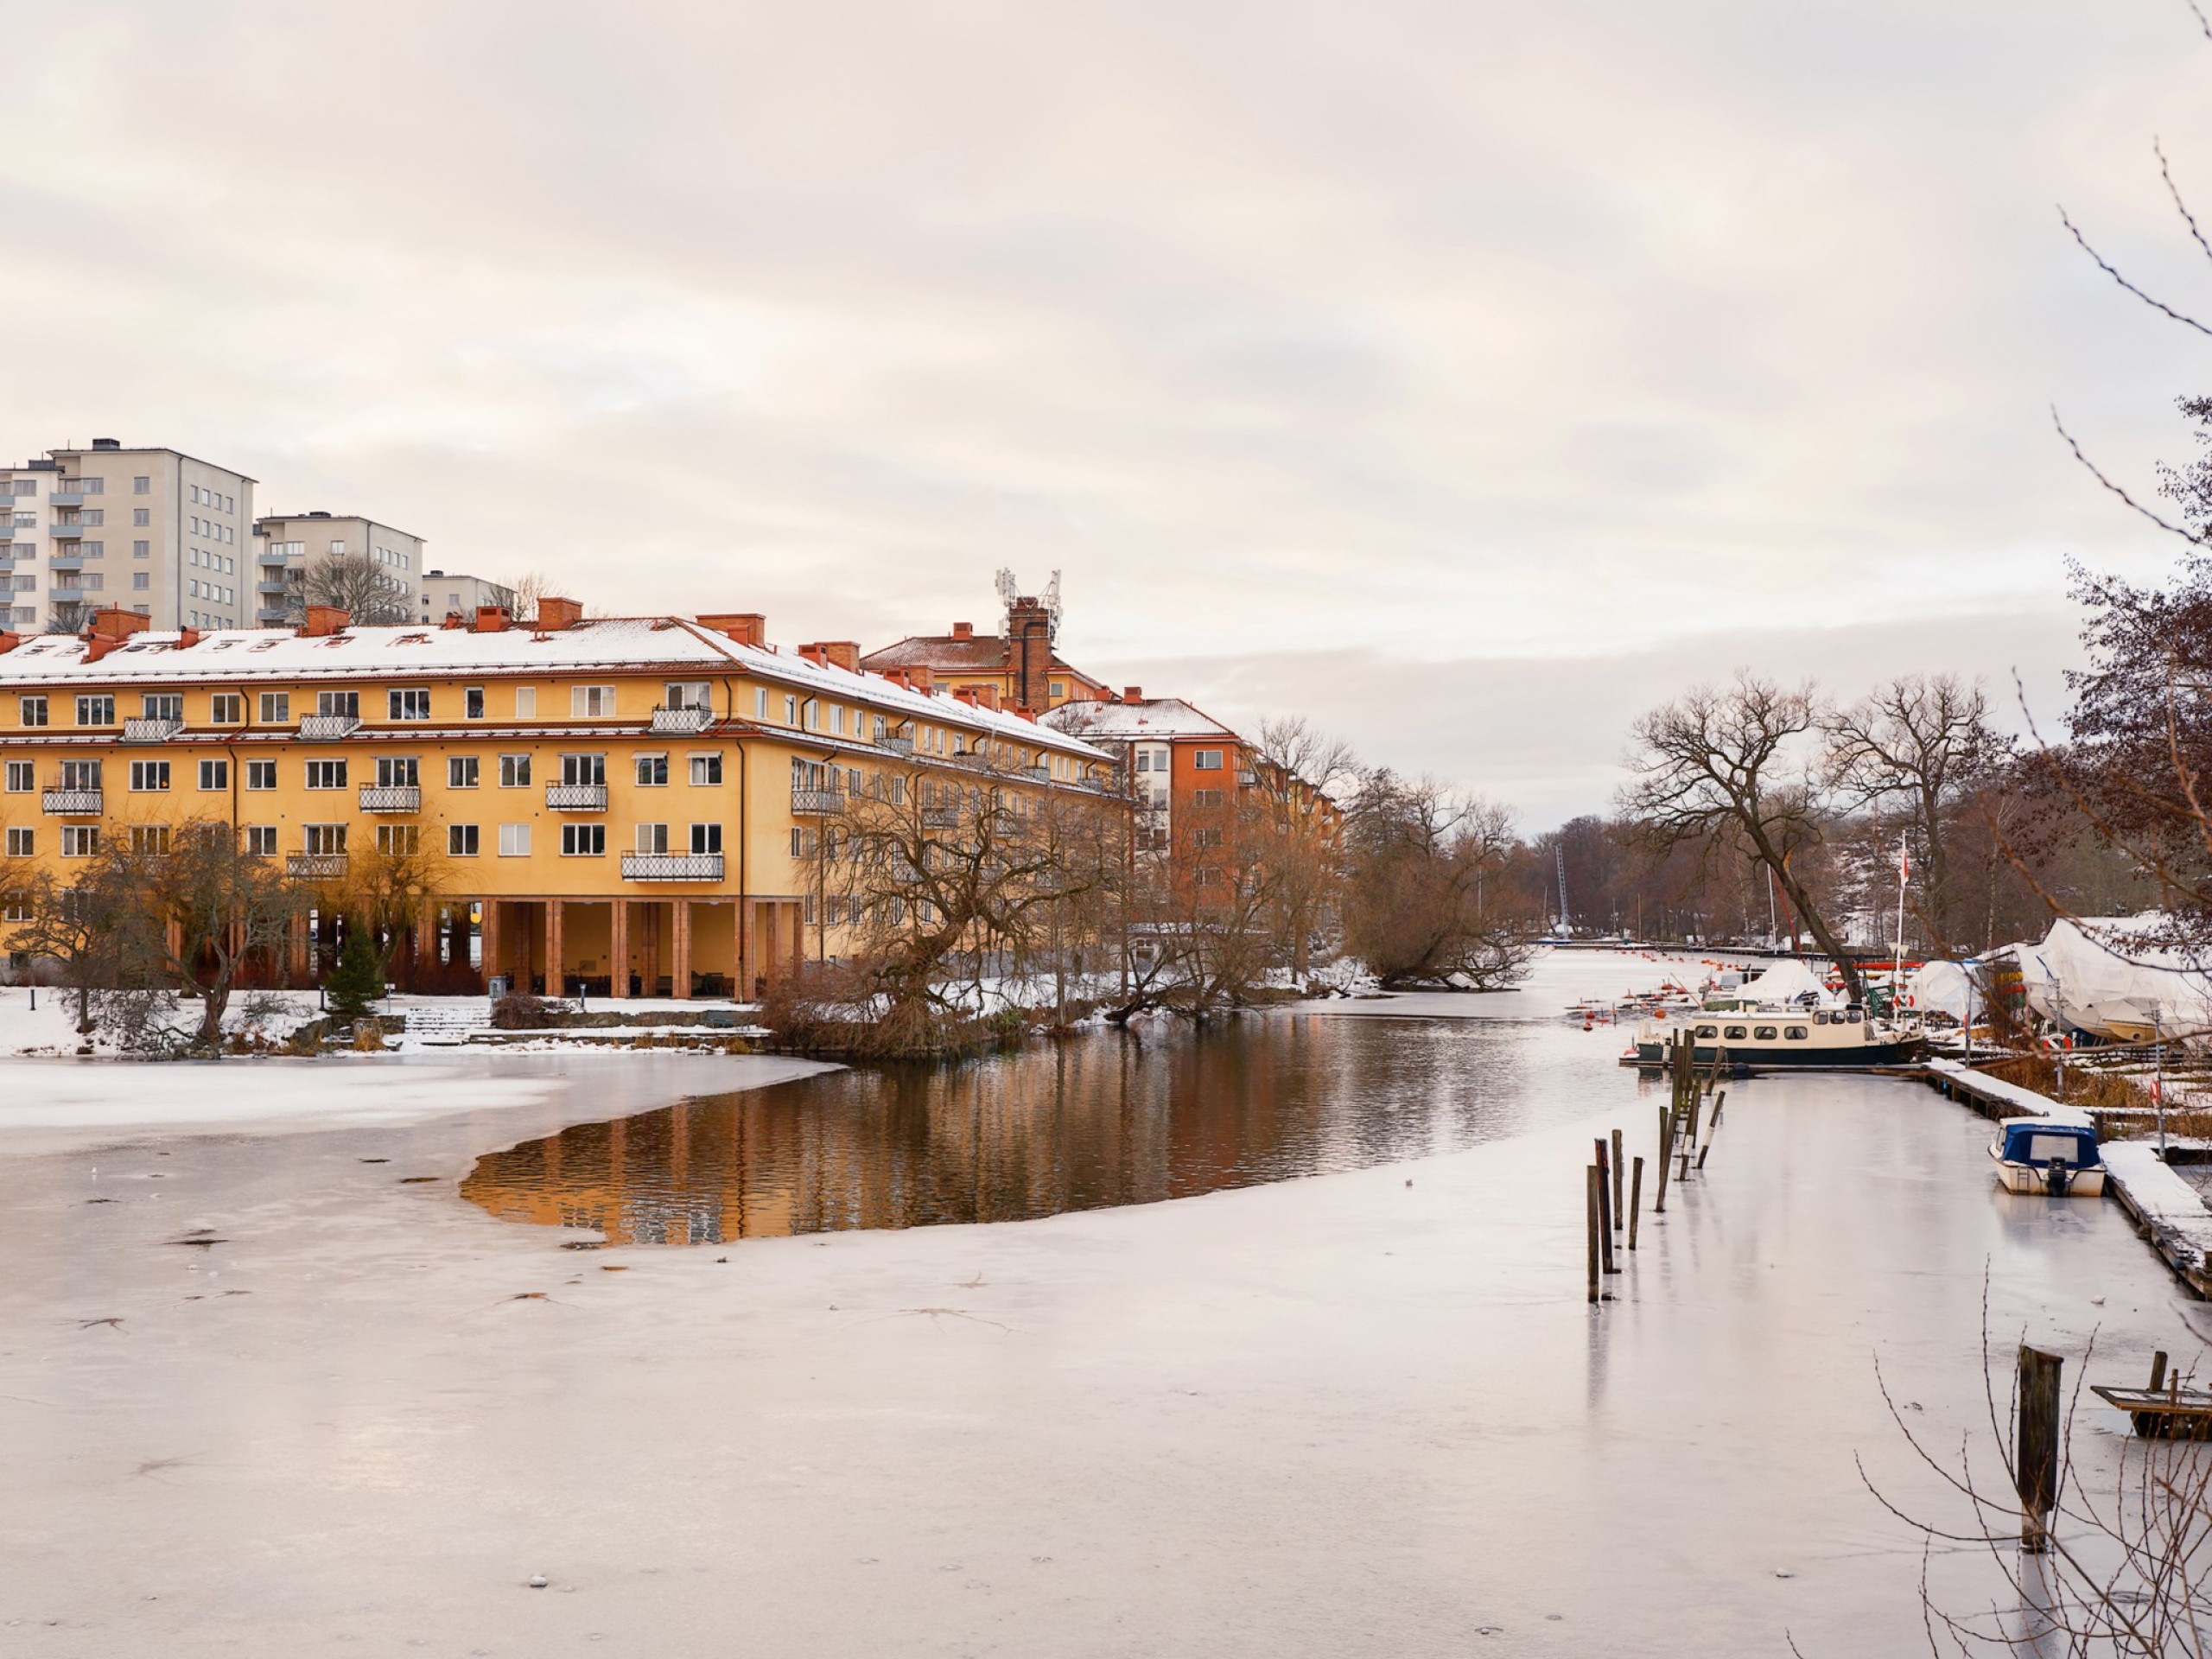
{"x": 2037, "y": 1140}
{"x": 1785, "y": 981}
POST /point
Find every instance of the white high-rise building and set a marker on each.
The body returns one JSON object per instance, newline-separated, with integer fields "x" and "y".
{"x": 153, "y": 531}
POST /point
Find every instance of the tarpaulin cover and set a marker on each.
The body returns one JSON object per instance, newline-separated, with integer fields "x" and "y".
{"x": 2094, "y": 975}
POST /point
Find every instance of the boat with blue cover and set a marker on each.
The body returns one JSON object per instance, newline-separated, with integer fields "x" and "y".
{"x": 2056, "y": 1156}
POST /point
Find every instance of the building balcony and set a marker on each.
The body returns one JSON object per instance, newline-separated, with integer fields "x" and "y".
{"x": 70, "y": 595}
{"x": 276, "y": 561}
{"x": 328, "y": 728}
{"x": 940, "y": 817}
{"x": 576, "y": 798}
{"x": 315, "y": 866}
{"x": 683, "y": 721}
{"x": 671, "y": 866}
{"x": 277, "y": 588}
{"x": 1034, "y": 774}
{"x": 150, "y": 729}
{"x": 817, "y": 803}
{"x": 900, "y": 745}
{"x": 391, "y": 798}
{"x": 271, "y": 614}
{"x": 66, "y": 558}
{"x": 61, "y": 531}
{"x": 66, "y": 498}
{"x": 71, "y": 803}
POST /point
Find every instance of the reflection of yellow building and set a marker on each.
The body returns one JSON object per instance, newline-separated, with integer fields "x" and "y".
{"x": 618, "y": 803}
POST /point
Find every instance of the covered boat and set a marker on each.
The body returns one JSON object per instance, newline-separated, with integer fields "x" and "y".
{"x": 2055, "y": 1155}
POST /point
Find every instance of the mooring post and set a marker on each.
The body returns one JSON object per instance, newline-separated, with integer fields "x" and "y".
{"x": 1590, "y": 1201}
{"x": 2034, "y": 1446}
{"x": 2157, "y": 1370}
{"x": 1620, "y": 1214}
{"x": 1635, "y": 1206}
{"x": 1605, "y": 1210}
{"x": 1666, "y": 1157}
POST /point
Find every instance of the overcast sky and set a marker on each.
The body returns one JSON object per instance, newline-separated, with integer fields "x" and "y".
{"x": 1466, "y": 375}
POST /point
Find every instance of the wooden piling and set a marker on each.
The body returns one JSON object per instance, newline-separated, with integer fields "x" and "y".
{"x": 1635, "y": 1206}
{"x": 1666, "y": 1158}
{"x": 2034, "y": 1446}
{"x": 2157, "y": 1370}
{"x": 1590, "y": 1199}
{"x": 1605, "y": 1211}
{"x": 1619, "y": 1215}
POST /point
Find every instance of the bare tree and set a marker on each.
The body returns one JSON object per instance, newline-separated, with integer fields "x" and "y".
{"x": 1295, "y": 767}
{"x": 388, "y": 887}
{"x": 1428, "y": 900}
{"x": 354, "y": 583}
{"x": 528, "y": 589}
{"x": 1732, "y": 759}
{"x": 1918, "y": 744}
{"x": 97, "y": 929}
{"x": 219, "y": 907}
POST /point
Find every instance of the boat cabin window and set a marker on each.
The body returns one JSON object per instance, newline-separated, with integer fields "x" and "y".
{"x": 1708, "y": 1032}
{"x": 1822, "y": 1018}
{"x": 1852, "y": 1018}
{"x": 2042, "y": 1148}
{"x": 1763, "y": 1034}
{"x": 1795, "y": 1033}
{"x": 1735, "y": 1033}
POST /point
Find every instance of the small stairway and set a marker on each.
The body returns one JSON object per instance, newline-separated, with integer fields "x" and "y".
{"x": 448, "y": 1024}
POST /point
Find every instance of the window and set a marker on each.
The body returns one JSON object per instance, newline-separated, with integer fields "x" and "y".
{"x": 1206, "y": 759}
{"x": 584, "y": 769}
{"x": 142, "y": 486}
{"x": 95, "y": 711}
{"x": 1206, "y": 798}
{"x": 706, "y": 837}
{"x": 226, "y": 709}
{"x": 584, "y": 840}
{"x": 653, "y": 838}
{"x": 326, "y": 774}
{"x": 399, "y": 840}
{"x": 140, "y": 516}
{"x": 1735, "y": 1033}
{"x": 706, "y": 768}
{"x": 514, "y": 772}
{"x": 1059, "y": 689}
{"x": 149, "y": 837}
{"x": 652, "y": 771}
{"x": 347, "y": 703}
{"x": 461, "y": 840}
{"x": 214, "y": 774}
{"x": 140, "y": 580}
{"x": 20, "y": 777}
{"x": 327, "y": 839}
{"x": 162, "y": 705}
{"x": 1763, "y": 1033}
{"x": 276, "y": 707}
{"x": 410, "y": 705}
{"x": 96, "y": 516}
{"x": 261, "y": 774}
{"x": 398, "y": 771}
{"x": 461, "y": 771}
{"x": 791, "y": 711}
{"x": 80, "y": 840}
{"x": 592, "y": 702}
{"x": 1708, "y": 1033}
{"x": 31, "y": 710}
{"x": 760, "y": 703}
{"x": 141, "y": 549}
{"x": 1795, "y": 1034}
{"x": 1144, "y": 759}
{"x": 514, "y": 841}
{"x": 525, "y": 702}
{"x": 1205, "y": 837}
{"x": 261, "y": 841}
{"x": 472, "y": 703}
{"x": 20, "y": 842}
{"x": 691, "y": 694}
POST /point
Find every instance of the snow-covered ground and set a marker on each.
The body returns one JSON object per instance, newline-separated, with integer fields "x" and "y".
{"x": 266, "y": 1393}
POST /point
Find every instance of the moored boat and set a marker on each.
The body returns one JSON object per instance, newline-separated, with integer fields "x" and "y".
{"x": 2055, "y": 1156}
{"x": 1784, "y": 1038}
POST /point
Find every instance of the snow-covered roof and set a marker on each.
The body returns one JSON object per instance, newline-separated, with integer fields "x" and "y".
{"x": 1125, "y": 722}
{"x": 676, "y": 647}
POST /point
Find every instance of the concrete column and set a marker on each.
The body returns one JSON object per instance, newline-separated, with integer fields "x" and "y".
{"x": 491, "y": 940}
{"x": 799, "y": 936}
{"x": 618, "y": 946}
{"x": 554, "y": 957}
{"x": 679, "y": 979}
{"x": 296, "y": 950}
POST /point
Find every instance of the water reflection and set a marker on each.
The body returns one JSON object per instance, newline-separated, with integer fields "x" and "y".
{"x": 1104, "y": 1120}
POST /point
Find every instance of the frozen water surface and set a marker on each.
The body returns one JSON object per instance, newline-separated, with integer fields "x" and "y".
{"x": 1316, "y": 1416}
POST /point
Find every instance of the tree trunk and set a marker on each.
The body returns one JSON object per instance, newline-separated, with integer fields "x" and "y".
{"x": 1801, "y": 902}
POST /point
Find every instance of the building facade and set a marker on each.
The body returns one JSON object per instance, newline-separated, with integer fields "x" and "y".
{"x": 155, "y": 532}
{"x": 288, "y": 545}
{"x": 1017, "y": 667}
{"x": 613, "y": 805}
{"x": 450, "y": 593}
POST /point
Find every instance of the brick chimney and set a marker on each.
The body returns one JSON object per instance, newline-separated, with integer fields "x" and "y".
{"x": 893, "y": 675}
{"x": 187, "y": 638}
{"x": 845, "y": 653}
{"x": 963, "y": 630}
{"x": 1029, "y": 651}
{"x": 1133, "y": 694}
{"x": 554, "y": 615}
{"x": 922, "y": 677}
{"x": 747, "y": 627}
{"x": 323, "y": 620}
{"x": 967, "y": 694}
{"x": 117, "y": 623}
{"x": 9, "y": 641}
{"x": 493, "y": 619}
{"x": 986, "y": 695}
{"x": 453, "y": 619}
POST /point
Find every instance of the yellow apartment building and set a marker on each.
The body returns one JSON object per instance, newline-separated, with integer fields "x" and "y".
{"x": 626, "y": 805}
